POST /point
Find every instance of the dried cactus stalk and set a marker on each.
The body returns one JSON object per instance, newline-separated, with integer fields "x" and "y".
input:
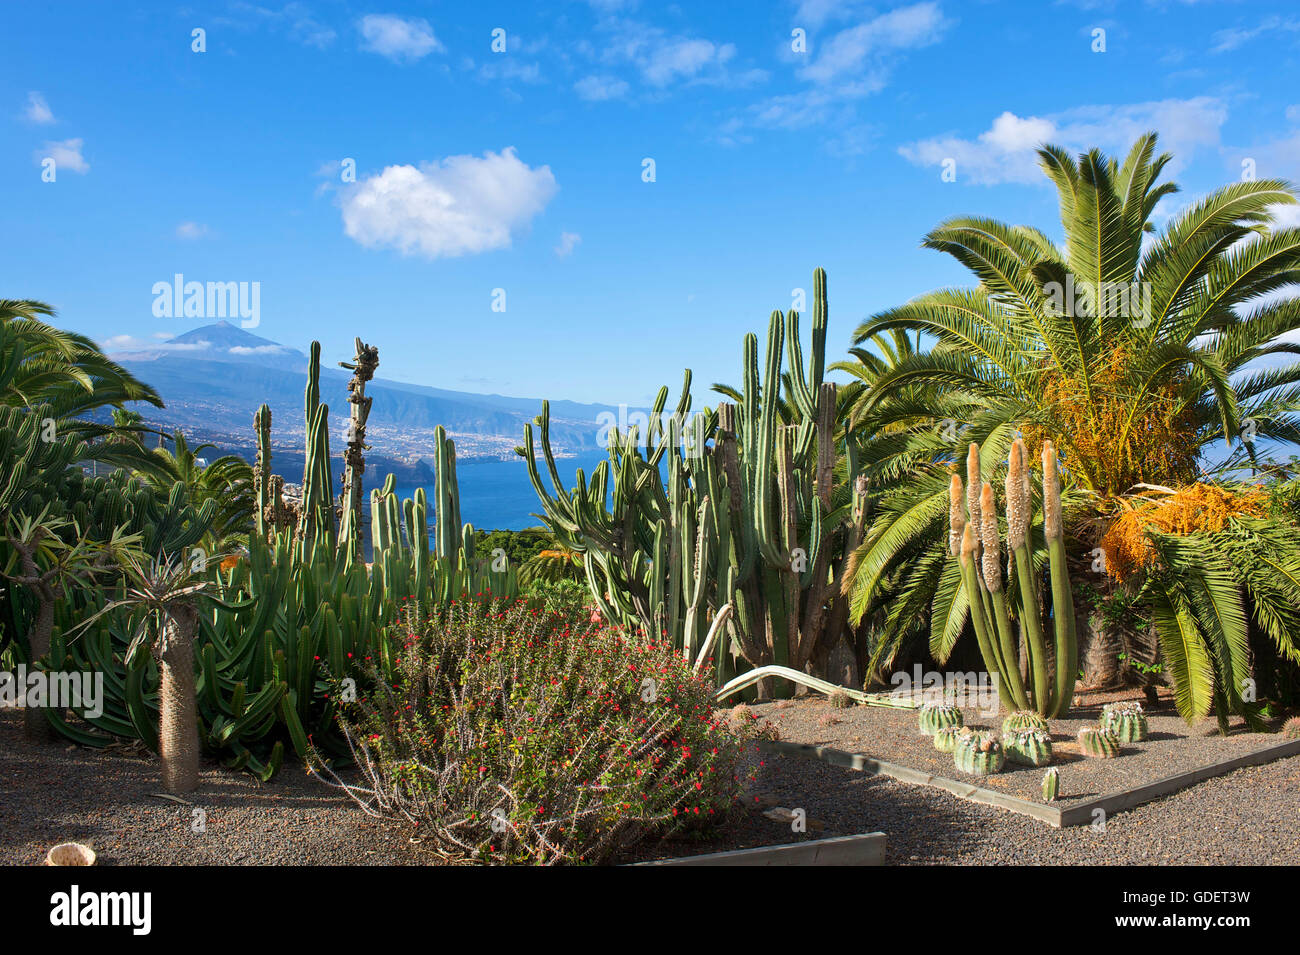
{"x": 1017, "y": 498}
{"x": 1051, "y": 494}
{"x": 992, "y": 564}
{"x": 956, "y": 515}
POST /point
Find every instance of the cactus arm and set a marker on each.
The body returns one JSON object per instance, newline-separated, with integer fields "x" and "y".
{"x": 822, "y": 686}
{"x": 1031, "y": 624}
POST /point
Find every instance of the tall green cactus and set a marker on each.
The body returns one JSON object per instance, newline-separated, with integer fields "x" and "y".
{"x": 975, "y": 540}
{"x": 754, "y": 519}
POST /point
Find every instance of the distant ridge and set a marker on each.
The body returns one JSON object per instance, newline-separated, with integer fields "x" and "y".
{"x": 214, "y": 378}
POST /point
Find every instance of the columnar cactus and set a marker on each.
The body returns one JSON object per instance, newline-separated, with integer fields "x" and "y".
{"x": 1022, "y": 720}
{"x": 1098, "y": 743}
{"x": 1028, "y": 746}
{"x": 945, "y": 740}
{"x": 765, "y": 466}
{"x": 935, "y": 716}
{"x": 1051, "y": 784}
{"x": 363, "y": 367}
{"x": 1126, "y": 720}
{"x": 991, "y": 606}
{"x": 979, "y": 754}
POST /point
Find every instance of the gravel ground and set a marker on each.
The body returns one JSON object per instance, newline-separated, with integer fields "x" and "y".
{"x": 52, "y": 793}
{"x": 107, "y": 799}
{"x": 1249, "y": 817}
{"x": 892, "y": 735}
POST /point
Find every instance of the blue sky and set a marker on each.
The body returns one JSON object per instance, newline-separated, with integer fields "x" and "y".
{"x": 523, "y": 170}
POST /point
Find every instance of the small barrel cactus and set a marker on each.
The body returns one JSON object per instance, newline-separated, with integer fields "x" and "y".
{"x": 1126, "y": 720}
{"x": 935, "y": 716}
{"x": 979, "y": 754}
{"x": 1051, "y": 785}
{"x": 1098, "y": 742}
{"x": 1024, "y": 720}
{"x": 1028, "y": 747}
{"x": 839, "y": 700}
{"x": 1291, "y": 728}
{"x": 946, "y": 739}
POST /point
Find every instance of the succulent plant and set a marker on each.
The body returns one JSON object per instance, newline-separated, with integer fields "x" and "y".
{"x": 1126, "y": 720}
{"x": 1024, "y": 720}
{"x": 1098, "y": 742}
{"x": 839, "y": 700}
{"x": 979, "y": 754}
{"x": 1291, "y": 728}
{"x": 1028, "y": 746}
{"x": 935, "y": 716}
{"x": 1051, "y": 784}
{"x": 945, "y": 740}
{"x": 978, "y": 546}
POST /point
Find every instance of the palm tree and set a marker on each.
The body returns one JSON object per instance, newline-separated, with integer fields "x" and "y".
{"x": 1135, "y": 351}
{"x": 168, "y": 590}
{"x": 227, "y": 480}
{"x": 43, "y": 364}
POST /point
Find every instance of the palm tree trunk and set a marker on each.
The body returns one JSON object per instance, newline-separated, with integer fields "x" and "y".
{"x": 178, "y": 730}
{"x": 1099, "y": 649}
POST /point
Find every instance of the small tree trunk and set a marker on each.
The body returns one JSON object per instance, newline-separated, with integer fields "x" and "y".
{"x": 1099, "y": 649}
{"x": 178, "y": 730}
{"x": 35, "y": 725}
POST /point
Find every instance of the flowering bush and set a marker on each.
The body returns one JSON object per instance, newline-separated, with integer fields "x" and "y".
{"x": 513, "y": 734}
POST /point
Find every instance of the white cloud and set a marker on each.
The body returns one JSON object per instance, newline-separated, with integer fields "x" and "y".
{"x": 599, "y": 88}
{"x": 1230, "y": 39}
{"x": 192, "y": 230}
{"x": 1006, "y": 152}
{"x": 118, "y": 344}
{"x": 850, "y": 52}
{"x": 256, "y": 349}
{"x": 450, "y": 207}
{"x": 294, "y": 18}
{"x": 568, "y": 242}
{"x": 66, "y": 155}
{"x": 401, "y": 40}
{"x": 683, "y": 59}
{"x": 38, "y": 111}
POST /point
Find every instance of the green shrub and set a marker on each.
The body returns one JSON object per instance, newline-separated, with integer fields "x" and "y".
{"x": 510, "y": 734}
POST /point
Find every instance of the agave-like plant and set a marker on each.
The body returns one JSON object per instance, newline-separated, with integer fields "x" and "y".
{"x": 227, "y": 480}
{"x": 1137, "y": 350}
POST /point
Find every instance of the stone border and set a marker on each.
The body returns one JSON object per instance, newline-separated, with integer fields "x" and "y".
{"x": 865, "y": 849}
{"x": 1056, "y": 816}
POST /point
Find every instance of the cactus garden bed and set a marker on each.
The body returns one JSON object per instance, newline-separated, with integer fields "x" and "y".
{"x": 893, "y": 736}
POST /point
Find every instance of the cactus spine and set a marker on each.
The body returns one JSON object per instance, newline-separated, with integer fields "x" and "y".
{"x": 1098, "y": 743}
{"x": 1051, "y": 784}
{"x": 1024, "y": 719}
{"x": 1126, "y": 720}
{"x": 945, "y": 740}
{"x": 980, "y": 556}
{"x": 935, "y": 716}
{"x": 1027, "y": 746}
{"x": 979, "y": 754}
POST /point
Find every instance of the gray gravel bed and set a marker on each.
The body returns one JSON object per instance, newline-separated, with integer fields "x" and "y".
{"x": 55, "y": 792}
{"x": 1248, "y": 817}
{"x": 893, "y": 735}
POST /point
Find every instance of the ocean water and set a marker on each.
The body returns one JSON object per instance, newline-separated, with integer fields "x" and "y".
{"x": 497, "y": 495}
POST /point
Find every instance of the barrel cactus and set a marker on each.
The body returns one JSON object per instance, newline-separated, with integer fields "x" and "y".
{"x": 979, "y": 754}
{"x": 1291, "y": 728}
{"x": 1024, "y": 720}
{"x": 945, "y": 740}
{"x": 1099, "y": 743}
{"x": 935, "y": 716}
{"x": 1028, "y": 747}
{"x": 839, "y": 700}
{"x": 1051, "y": 785}
{"x": 1126, "y": 720}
